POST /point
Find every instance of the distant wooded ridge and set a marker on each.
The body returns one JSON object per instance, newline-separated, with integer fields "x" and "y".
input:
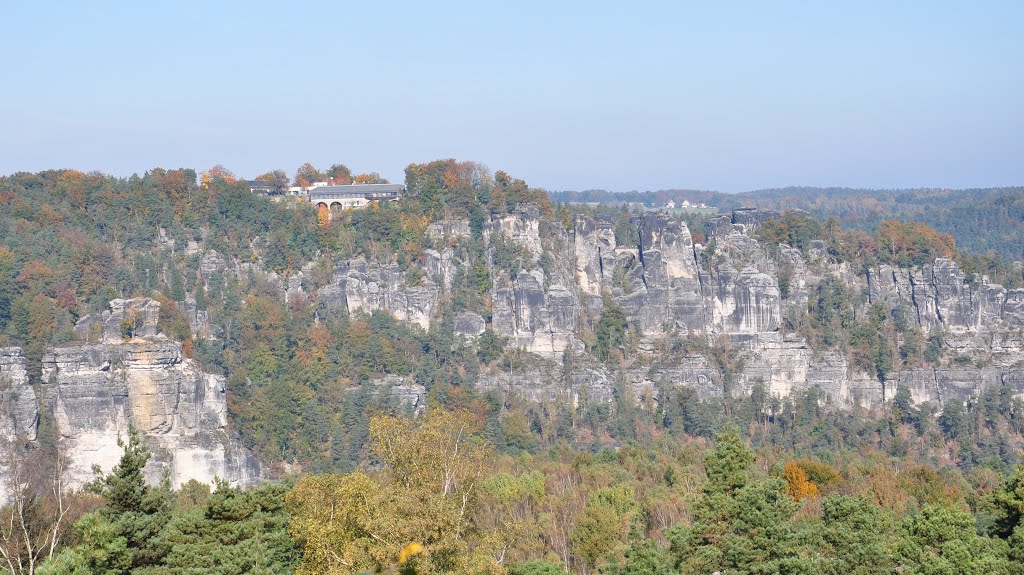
{"x": 980, "y": 220}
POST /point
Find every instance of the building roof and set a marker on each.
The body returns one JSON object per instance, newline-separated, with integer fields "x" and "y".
{"x": 368, "y": 189}
{"x": 262, "y": 185}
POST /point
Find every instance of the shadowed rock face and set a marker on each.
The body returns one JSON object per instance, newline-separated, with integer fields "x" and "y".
{"x": 19, "y": 411}
{"x": 469, "y": 325}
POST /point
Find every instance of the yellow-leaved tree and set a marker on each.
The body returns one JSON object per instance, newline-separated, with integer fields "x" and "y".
{"x": 797, "y": 484}
{"x": 424, "y": 495}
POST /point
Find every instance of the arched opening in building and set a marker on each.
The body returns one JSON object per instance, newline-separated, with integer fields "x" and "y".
{"x": 336, "y": 209}
{"x": 323, "y": 214}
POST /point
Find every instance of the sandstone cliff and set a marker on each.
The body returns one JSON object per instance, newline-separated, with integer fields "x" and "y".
{"x": 94, "y": 391}
{"x": 673, "y": 289}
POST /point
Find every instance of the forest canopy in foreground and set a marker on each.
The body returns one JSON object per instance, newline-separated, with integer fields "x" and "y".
{"x": 438, "y": 499}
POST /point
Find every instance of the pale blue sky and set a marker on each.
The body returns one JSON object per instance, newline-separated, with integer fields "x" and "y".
{"x": 568, "y": 95}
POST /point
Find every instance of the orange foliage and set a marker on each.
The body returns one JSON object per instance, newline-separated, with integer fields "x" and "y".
{"x": 912, "y": 243}
{"x": 215, "y": 173}
{"x": 371, "y": 178}
{"x": 323, "y": 215}
{"x": 818, "y": 473}
{"x": 797, "y": 484}
{"x": 71, "y": 183}
{"x": 36, "y": 276}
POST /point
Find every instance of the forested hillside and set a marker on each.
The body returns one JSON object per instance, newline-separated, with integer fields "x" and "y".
{"x": 979, "y": 219}
{"x": 494, "y": 382}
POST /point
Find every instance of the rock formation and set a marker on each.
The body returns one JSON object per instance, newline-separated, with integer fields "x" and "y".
{"x": 131, "y": 375}
{"x": 728, "y": 292}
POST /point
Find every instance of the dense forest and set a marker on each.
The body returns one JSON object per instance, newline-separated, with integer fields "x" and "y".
{"x": 480, "y": 481}
{"x": 437, "y": 498}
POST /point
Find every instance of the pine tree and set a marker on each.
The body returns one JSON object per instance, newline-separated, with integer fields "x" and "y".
{"x": 728, "y": 465}
{"x": 136, "y": 511}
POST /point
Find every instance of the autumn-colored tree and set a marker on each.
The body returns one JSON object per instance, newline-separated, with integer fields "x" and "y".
{"x": 821, "y": 474}
{"x": 447, "y": 186}
{"x": 179, "y": 184}
{"x": 371, "y": 178}
{"x": 263, "y": 324}
{"x": 441, "y": 452}
{"x": 323, "y": 215}
{"x": 797, "y": 485}
{"x": 279, "y": 178}
{"x": 217, "y": 173}
{"x": 340, "y": 174}
{"x": 307, "y": 174}
{"x": 37, "y": 277}
{"x": 912, "y": 243}
{"x": 351, "y": 523}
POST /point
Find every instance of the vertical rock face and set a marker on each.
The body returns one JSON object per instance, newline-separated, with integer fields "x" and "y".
{"x": 953, "y": 298}
{"x": 521, "y": 228}
{"x": 672, "y": 299}
{"x": 940, "y": 297}
{"x": 407, "y": 393}
{"x": 793, "y": 271}
{"x": 1013, "y": 308}
{"x": 743, "y": 302}
{"x": 198, "y": 320}
{"x": 751, "y": 218}
{"x": 539, "y": 322}
{"x": 19, "y": 413}
{"x": 469, "y": 325}
{"x": 363, "y": 287}
{"x": 539, "y": 308}
{"x": 96, "y": 391}
{"x": 594, "y": 252}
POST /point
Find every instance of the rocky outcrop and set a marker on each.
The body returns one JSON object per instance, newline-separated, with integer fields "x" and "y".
{"x": 126, "y": 318}
{"x": 199, "y": 320}
{"x": 538, "y": 308}
{"x": 731, "y": 291}
{"x": 538, "y": 321}
{"x": 133, "y": 376}
{"x": 669, "y": 297}
{"x": 369, "y": 287}
{"x": 469, "y": 325}
{"x": 403, "y": 390}
{"x": 96, "y": 391}
{"x": 362, "y": 287}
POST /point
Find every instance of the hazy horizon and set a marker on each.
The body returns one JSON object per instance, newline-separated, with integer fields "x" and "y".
{"x": 731, "y": 97}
